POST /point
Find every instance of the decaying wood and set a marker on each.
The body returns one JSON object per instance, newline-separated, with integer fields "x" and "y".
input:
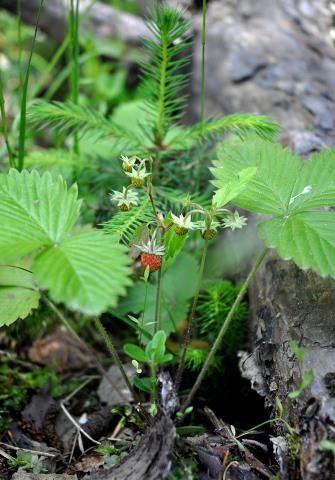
{"x": 150, "y": 460}
{"x": 288, "y": 303}
{"x": 105, "y": 20}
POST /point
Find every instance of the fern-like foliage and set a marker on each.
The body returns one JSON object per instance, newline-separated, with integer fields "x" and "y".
{"x": 176, "y": 200}
{"x": 241, "y": 124}
{"x": 163, "y": 76}
{"x": 214, "y": 304}
{"x": 69, "y": 117}
{"x": 123, "y": 225}
{"x": 87, "y": 271}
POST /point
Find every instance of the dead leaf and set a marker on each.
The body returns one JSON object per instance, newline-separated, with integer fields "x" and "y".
{"x": 61, "y": 350}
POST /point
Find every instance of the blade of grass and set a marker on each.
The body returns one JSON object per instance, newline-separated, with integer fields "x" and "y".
{"x": 74, "y": 61}
{"x": 203, "y": 83}
{"x": 19, "y": 42}
{"x": 23, "y": 109}
{"x": 4, "y": 127}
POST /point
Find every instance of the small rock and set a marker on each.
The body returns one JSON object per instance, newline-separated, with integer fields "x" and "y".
{"x": 42, "y": 476}
{"x": 112, "y": 389}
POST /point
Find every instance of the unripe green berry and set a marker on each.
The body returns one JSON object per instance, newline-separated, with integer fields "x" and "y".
{"x": 124, "y": 207}
{"x": 137, "y": 182}
{"x": 126, "y": 167}
{"x": 208, "y": 234}
{"x": 180, "y": 230}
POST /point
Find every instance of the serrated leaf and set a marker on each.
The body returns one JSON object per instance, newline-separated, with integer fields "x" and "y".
{"x": 270, "y": 189}
{"x": 34, "y": 211}
{"x": 307, "y": 238}
{"x": 234, "y": 187}
{"x": 18, "y": 294}
{"x": 315, "y": 185}
{"x": 88, "y": 272}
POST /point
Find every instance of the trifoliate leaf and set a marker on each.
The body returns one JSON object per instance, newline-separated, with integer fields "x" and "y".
{"x": 34, "y": 211}
{"x": 88, "y": 272}
{"x": 18, "y": 294}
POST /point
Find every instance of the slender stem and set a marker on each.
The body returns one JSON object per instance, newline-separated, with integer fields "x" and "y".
{"x": 117, "y": 360}
{"x": 143, "y": 313}
{"x": 4, "y": 125}
{"x": 23, "y": 110}
{"x": 19, "y": 41}
{"x": 272, "y": 420}
{"x": 224, "y": 329}
{"x": 187, "y": 336}
{"x": 203, "y": 59}
{"x": 203, "y": 83}
{"x": 154, "y": 384}
{"x": 73, "y": 59}
{"x": 158, "y": 324}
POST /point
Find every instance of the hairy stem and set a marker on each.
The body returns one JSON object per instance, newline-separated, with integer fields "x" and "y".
{"x": 187, "y": 336}
{"x": 4, "y": 125}
{"x": 224, "y": 329}
{"x": 158, "y": 324}
{"x": 117, "y": 360}
{"x": 154, "y": 384}
{"x": 143, "y": 313}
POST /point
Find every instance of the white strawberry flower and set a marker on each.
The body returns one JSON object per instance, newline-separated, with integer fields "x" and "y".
{"x": 234, "y": 221}
{"x": 124, "y": 200}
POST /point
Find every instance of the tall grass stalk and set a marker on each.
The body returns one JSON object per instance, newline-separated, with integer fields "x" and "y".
{"x": 203, "y": 82}
{"x": 74, "y": 61}
{"x": 4, "y": 125}
{"x": 23, "y": 109}
{"x": 19, "y": 43}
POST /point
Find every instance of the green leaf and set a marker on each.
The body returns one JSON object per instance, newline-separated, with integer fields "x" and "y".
{"x": 144, "y": 383}
{"x": 288, "y": 190}
{"x": 135, "y": 352}
{"x": 88, "y": 272}
{"x": 269, "y": 190}
{"x": 298, "y": 352}
{"x": 240, "y": 124}
{"x": 18, "y": 294}
{"x": 173, "y": 246}
{"x": 315, "y": 185}
{"x": 34, "y": 211}
{"x": 231, "y": 189}
{"x": 308, "y": 238}
{"x": 155, "y": 349}
{"x": 168, "y": 357}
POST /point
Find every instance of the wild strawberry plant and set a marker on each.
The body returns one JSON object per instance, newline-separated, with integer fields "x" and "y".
{"x": 46, "y": 251}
